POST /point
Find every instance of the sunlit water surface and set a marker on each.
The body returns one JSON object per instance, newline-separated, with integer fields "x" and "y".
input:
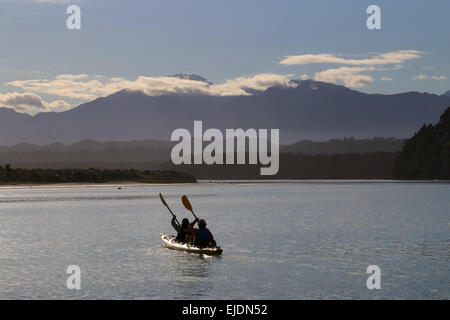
{"x": 310, "y": 240}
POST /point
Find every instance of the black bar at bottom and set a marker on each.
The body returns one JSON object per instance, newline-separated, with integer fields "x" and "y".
{"x": 228, "y": 309}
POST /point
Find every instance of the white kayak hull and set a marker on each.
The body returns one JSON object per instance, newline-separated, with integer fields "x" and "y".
{"x": 170, "y": 242}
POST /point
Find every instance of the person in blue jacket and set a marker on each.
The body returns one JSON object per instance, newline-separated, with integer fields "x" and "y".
{"x": 202, "y": 236}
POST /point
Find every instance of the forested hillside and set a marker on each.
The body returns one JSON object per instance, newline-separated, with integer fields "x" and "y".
{"x": 427, "y": 154}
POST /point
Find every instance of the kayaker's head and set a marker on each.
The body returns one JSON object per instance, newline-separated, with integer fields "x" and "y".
{"x": 185, "y": 223}
{"x": 201, "y": 224}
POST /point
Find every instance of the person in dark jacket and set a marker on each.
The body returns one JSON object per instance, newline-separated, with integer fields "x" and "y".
{"x": 183, "y": 232}
{"x": 202, "y": 236}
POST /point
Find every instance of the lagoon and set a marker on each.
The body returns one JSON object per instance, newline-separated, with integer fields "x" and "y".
{"x": 281, "y": 240}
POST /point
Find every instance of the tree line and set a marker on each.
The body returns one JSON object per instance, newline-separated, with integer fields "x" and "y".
{"x": 376, "y": 165}
{"x": 10, "y": 175}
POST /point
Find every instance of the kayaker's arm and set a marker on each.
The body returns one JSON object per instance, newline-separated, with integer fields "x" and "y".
{"x": 213, "y": 242}
{"x": 191, "y": 227}
{"x": 175, "y": 225}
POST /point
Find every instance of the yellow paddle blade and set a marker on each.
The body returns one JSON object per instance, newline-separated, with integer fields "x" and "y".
{"x": 186, "y": 203}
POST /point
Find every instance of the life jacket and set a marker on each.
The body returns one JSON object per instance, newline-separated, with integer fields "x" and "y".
{"x": 202, "y": 238}
{"x": 182, "y": 234}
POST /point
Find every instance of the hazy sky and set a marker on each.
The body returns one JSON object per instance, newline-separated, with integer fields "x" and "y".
{"x": 234, "y": 44}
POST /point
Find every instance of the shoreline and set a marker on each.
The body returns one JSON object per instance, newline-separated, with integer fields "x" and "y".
{"x": 201, "y": 182}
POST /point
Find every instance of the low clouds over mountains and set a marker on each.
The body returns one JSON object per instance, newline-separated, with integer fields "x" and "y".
{"x": 300, "y": 109}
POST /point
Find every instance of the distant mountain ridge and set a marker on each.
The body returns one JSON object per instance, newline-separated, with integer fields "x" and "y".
{"x": 310, "y": 110}
{"x": 345, "y": 146}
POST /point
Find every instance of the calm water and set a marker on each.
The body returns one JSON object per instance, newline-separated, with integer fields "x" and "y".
{"x": 281, "y": 241}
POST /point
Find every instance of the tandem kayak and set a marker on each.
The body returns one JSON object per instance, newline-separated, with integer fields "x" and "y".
{"x": 170, "y": 242}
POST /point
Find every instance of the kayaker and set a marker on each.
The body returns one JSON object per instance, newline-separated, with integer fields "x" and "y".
{"x": 182, "y": 231}
{"x": 202, "y": 236}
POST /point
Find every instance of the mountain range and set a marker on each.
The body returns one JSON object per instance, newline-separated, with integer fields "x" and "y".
{"x": 306, "y": 110}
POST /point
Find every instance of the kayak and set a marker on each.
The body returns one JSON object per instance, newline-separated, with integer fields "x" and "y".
{"x": 170, "y": 242}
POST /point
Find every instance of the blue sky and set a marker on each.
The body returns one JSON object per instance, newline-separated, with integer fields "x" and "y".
{"x": 136, "y": 43}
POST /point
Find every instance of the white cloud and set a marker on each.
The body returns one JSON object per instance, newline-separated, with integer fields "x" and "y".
{"x": 393, "y": 57}
{"x": 439, "y": 78}
{"x": 30, "y": 103}
{"x": 59, "y": 105}
{"x": 84, "y": 87}
{"x": 239, "y": 85}
{"x": 350, "y": 76}
{"x": 420, "y": 77}
{"x": 425, "y": 77}
{"x": 69, "y": 88}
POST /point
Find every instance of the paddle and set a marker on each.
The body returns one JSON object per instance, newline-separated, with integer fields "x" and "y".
{"x": 187, "y": 205}
{"x": 165, "y": 203}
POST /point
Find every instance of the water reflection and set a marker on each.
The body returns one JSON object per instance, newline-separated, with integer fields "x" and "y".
{"x": 192, "y": 274}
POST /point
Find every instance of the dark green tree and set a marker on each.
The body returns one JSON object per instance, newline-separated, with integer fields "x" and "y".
{"x": 426, "y": 155}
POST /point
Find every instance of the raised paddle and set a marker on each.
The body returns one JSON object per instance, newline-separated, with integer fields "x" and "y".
{"x": 165, "y": 203}
{"x": 187, "y": 205}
